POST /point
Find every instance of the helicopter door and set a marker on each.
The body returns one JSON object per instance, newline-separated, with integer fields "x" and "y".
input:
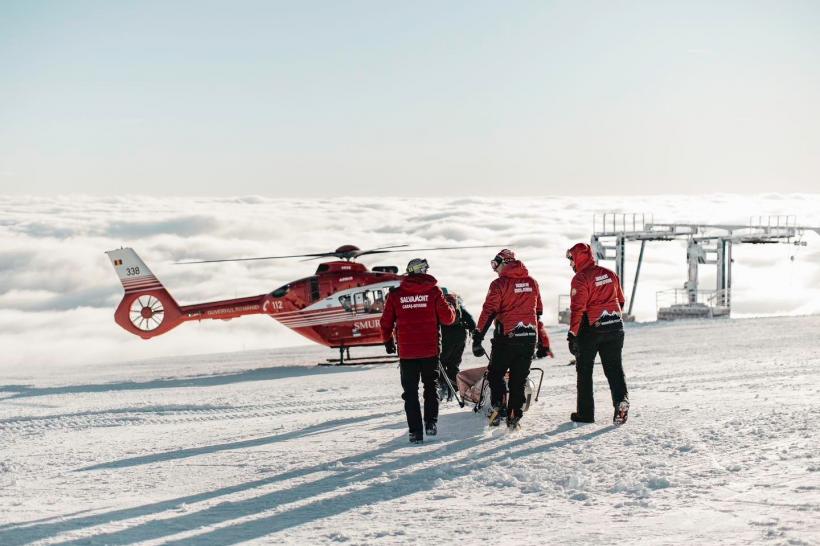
{"x": 362, "y": 302}
{"x": 378, "y": 302}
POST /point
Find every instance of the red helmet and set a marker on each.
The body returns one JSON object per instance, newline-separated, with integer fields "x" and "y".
{"x": 580, "y": 255}
{"x": 504, "y": 256}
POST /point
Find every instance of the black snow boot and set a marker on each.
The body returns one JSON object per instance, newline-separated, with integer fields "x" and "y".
{"x": 430, "y": 429}
{"x": 416, "y": 438}
{"x": 497, "y": 413}
{"x": 621, "y": 413}
{"x": 513, "y": 420}
{"x": 581, "y": 418}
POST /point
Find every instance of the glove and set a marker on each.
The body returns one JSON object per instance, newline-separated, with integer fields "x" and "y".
{"x": 478, "y": 350}
{"x": 542, "y": 351}
{"x": 390, "y": 346}
{"x": 572, "y": 344}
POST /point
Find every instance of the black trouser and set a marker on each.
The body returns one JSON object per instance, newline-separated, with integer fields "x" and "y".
{"x": 608, "y": 345}
{"x": 411, "y": 371}
{"x": 513, "y": 354}
{"x": 452, "y": 349}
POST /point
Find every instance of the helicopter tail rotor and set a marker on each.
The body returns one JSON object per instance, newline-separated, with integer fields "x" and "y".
{"x": 147, "y": 309}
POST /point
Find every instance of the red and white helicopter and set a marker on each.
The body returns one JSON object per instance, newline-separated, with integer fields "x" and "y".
{"x": 339, "y": 306}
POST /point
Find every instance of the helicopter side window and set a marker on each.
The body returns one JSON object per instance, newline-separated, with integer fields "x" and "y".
{"x": 314, "y": 288}
{"x": 378, "y": 302}
{"x": 346, "y": 305}
{"x": 363, "y": 301}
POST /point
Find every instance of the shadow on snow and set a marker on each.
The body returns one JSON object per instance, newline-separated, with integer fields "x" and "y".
{"x": 444, "y": 463}
{"x": 255, "y": 442}
{"x": 259, "y": 374}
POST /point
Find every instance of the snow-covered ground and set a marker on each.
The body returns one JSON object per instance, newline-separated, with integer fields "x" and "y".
{"x": 266, "y": 447}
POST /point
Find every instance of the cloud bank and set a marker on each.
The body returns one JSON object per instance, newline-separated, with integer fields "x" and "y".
{"x": 58, "y": 292}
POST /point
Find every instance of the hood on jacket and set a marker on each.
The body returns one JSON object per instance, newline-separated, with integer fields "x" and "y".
{"x": 581, "y": 254}
{"x": 418, "y": 282}
{"x": 514, "y": 269}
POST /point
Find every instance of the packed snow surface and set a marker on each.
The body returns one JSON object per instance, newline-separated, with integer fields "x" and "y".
{"x": 266, "y": 447}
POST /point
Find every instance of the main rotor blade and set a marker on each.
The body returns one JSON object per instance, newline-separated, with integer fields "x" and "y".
{"x": 385, "y": 247}
{"x": 435, "y": 248}
{"x": 318, "y": 255}
{"x": 353, "y": 254}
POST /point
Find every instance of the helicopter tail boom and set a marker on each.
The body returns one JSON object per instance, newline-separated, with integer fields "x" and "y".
{"x": 147, "y": 309}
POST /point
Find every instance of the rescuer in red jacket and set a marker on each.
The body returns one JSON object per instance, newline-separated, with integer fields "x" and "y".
{"x": 596, "y": 327}
{"x": 415, "y": 310}
{"x": 514, "y": 303}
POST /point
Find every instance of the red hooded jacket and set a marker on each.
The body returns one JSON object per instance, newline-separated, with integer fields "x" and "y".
{"x": 596, "y": 292}
{"x": 514, "y": 302}
{"x": 415, "y": 309}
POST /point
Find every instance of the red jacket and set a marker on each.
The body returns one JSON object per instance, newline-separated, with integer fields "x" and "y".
{"x": 514, "y": 302}
{"x": 415, "y": 309}
{"x": 596, "y": 292}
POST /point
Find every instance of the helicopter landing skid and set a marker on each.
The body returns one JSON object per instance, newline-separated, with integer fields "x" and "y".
{"x": 359, "y": 361}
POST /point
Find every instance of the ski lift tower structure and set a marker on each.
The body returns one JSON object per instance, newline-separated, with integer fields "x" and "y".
{"x": 610, "y": 233}
{"x": 707, "y": 244}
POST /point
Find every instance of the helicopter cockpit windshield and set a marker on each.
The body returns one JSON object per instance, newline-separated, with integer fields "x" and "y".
{"x": 281, "y": 291}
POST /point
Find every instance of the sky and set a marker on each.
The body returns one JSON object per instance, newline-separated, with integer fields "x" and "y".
{"x": 424, "y": 99}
